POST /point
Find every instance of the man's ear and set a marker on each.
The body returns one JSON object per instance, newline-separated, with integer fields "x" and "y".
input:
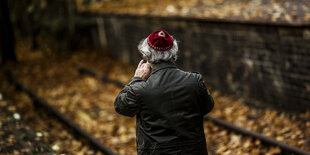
{"x": 144, "y": 58}
{"x": 152, "y": 65}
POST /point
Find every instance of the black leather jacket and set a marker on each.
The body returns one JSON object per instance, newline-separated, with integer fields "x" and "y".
{"x": 169, "y": 109}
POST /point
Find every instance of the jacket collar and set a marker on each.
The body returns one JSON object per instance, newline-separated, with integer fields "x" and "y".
{"x": 162, "y": 65}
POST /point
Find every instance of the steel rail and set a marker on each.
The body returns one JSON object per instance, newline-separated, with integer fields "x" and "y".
{"x": 256, "y": 135}
{"x": 217, "y": 121}
{"x": 37, "y": 101}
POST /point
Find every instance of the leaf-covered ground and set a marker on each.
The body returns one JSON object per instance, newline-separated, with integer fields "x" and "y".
{"x": 16, "y": 136}
{"x": 89, "y": 103}
{"x": 26, "y": 129}
{"x": 284, "y": 11}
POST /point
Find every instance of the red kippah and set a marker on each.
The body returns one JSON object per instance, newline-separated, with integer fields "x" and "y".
{"x": 160, "y": 40}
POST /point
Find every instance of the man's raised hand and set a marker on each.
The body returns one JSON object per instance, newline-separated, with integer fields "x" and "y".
{"x": 143, "y": 70}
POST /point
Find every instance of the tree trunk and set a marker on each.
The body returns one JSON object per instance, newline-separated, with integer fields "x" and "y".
{"x": 7, "y": 40}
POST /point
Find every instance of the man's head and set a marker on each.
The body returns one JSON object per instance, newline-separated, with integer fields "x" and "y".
{"x": 159, "y": 46}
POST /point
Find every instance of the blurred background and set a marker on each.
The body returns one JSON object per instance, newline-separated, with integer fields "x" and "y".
{"x": 253, "y": 54}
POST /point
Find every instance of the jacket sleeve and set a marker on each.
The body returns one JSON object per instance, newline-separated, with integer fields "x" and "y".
{"x": 206, "y": 100}
{"x": 127, "y": 101}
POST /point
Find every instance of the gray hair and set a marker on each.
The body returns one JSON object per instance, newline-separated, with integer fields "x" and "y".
{"x": 154, "y": 56}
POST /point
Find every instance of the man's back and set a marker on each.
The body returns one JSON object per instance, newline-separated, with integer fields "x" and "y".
{"x": 170, "y": 107}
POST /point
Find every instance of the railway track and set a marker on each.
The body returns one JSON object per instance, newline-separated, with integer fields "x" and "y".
{"x": 39, "y": 102}
{"x": 97, "y": 145}
{"x": 228, "y": 126}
